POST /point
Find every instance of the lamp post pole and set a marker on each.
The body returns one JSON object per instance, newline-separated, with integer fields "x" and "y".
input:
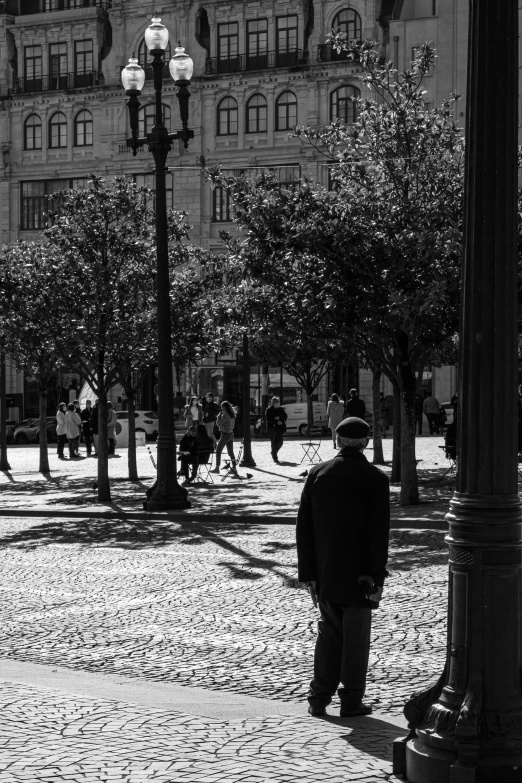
{"x": 468, "y": 727}
{"x": 248, "y": 460}
{"x": 166, "y": 493}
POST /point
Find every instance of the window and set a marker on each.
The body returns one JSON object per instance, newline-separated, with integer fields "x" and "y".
{"x": 58, "y": 130}
{"x": 147, "y": 118}
{"x": 227, "y": 117}
{"x": 57, "y": 66}
{"x": 256, "y": 114}
{"x": 83, "y": 64}
{"x": 149, "y": 181}
{"x": 348, "y": 22}
{"x": 286, "y": 48}
{"x": 228, "y": 51}
{"x": 35, "y": 201}
{"x": 83, "y": 129}
{"x": 257, "y": 44}
{"x": 221, "y": 205}
{"x": 33, "y": 133}
{"x": 342, "y": 104}
{"x": 145, "y": 59}
{"x": 286, "y": 111}
{"x": 33, "y": 68}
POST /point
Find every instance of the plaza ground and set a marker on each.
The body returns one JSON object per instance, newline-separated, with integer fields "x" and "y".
{"x": 181, "y": 649}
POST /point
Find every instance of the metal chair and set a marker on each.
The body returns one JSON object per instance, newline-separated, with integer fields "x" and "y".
{"x": 311, "y": 449}
{"x": 451, "y": 454}
{"x": 203, "y": 474}
{"x": 230, "y": 465}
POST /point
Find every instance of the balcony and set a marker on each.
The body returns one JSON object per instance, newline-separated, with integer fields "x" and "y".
{"x": 255, "y": 62}
{"x": 46, "y": 6}
{"x": 326, "y": 53}
{"x": 66, "y": 81}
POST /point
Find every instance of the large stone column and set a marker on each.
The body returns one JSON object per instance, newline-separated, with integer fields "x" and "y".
{"x": 468, "y": 727}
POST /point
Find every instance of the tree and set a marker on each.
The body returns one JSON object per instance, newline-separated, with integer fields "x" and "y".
{"x": 32, "y": 316}
{"x": 385, "y": 242}
{"x": 104, "y": 236}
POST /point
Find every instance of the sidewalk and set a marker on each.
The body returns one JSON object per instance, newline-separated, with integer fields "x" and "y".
{"x": 271, "y": 494}
{"x": 79, "y": 727}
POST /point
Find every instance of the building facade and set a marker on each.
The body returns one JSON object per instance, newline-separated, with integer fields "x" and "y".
{"x": 260, "y": 68}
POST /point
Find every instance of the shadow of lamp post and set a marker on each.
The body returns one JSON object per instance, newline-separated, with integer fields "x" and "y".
{"x": 166, "y": 493}
{"x": 467, "y": 728}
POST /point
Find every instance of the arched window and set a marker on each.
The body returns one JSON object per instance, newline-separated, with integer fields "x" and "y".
{"x": 83, "y": 129}
{"x": 286, "y": 111}
{"x": 58, "y": 130}
{"x": 147, "y": 118}
{"x": 227, "y": 117}
{"x": 342, "y": 104}
{"x": 144, "y": 59}
{"x": 256, "y": 114}
{"x": 33, "y": 133}
{"x": 349, "y": 22}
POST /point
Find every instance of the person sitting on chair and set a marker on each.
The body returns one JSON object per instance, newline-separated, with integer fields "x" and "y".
{"x": 188, "y": 454}
{"x": 205, "y": 444}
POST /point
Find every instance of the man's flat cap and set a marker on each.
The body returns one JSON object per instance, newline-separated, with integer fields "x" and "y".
{"x": 353, "y": 427}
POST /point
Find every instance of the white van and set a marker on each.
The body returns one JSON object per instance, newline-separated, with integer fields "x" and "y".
{"x": 297, "y": 413}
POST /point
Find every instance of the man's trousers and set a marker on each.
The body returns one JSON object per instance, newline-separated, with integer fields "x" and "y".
{"x": 341, "y": 655}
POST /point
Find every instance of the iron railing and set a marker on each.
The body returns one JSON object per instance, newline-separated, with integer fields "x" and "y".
{"x": 65, "y": 81}
{"x": 255, "y": 62}
{"x": 46, "y": 6}
{"x": 326, "y": 53}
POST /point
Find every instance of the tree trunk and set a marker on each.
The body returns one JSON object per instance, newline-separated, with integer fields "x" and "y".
{"x": 264, "y": 398}
{"x": 396, "y": 458}
{"x": 4, "y": 462}
{"x": 409, "y": 478}
{"x": 42, "y": 437}
{"x": 378, "y": 454}
{"x": 309, "y": 408}
{"x": 131, "y": 407}
{"x": 104, "y": 489}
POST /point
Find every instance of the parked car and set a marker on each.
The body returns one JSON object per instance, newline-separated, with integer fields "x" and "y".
{"x": 28, "y": 431}
{"x": 146, "y": 421}
{"x": 298, "y": 417}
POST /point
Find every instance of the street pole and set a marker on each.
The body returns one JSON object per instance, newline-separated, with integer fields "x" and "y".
{"x": 248, "y": 460}
{"x": 4, "y": 461}
{"x": 166, "y": 493}
{"x": 468, "y": 727}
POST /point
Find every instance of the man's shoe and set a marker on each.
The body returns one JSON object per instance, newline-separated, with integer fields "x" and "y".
{"x": 317, "y": 712}
{"x": 362, "y": 709}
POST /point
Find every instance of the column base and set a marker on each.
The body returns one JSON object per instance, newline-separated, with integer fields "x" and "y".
{"x": 427, "y": 764}
{"x": 247, "y": 462}
{"x": 174, "y": 500}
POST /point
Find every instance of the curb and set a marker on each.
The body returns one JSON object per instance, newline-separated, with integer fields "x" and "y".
{"x": 185, "y": 516}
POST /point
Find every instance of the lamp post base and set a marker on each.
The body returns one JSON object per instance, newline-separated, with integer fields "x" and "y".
{"x": 171, "y": 501}
{"x": 247, "y": 462}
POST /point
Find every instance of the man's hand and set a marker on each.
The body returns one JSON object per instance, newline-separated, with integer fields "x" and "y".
{"x": 312, "y": 589}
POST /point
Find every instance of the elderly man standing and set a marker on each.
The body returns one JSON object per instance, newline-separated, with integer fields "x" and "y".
{"x": 342, "y": 548}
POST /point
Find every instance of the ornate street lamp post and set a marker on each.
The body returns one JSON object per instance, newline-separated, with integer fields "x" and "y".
{"x": 468, "y": 727}
{"x": 166, "y": 494}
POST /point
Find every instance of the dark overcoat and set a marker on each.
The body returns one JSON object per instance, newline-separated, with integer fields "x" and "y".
{"x": 343, "y": 526}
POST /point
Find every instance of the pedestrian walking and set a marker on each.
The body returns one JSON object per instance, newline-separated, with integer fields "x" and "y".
{"x": 111, "y": 427}
{"x": 61, "y": 429}
{"x": 85, "y": 416}
{"x": 335, "y": 413}
{"x": 192, "y": 413}
{"x": 355, "y": 407}
{"x": 276, "y": 417}
{"x": 431, "y": 408}
{"x": 210, "y": 414}
{"x": 419, "y": 410}
{"x": 343, "y": 526}
{"x": 93, "y": 421}
{"x": 225, "y": 422}
{"x": 73, "y": 424}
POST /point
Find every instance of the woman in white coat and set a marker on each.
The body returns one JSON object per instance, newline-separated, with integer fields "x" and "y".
{"x": 335, "y": 413}
{"x": 73, "y": 424}
{"x": 61, "y": 429}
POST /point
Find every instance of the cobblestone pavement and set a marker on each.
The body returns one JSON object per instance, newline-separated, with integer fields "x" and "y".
{"x": 272, "y": 490}
{"x": 74, "y": 738}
